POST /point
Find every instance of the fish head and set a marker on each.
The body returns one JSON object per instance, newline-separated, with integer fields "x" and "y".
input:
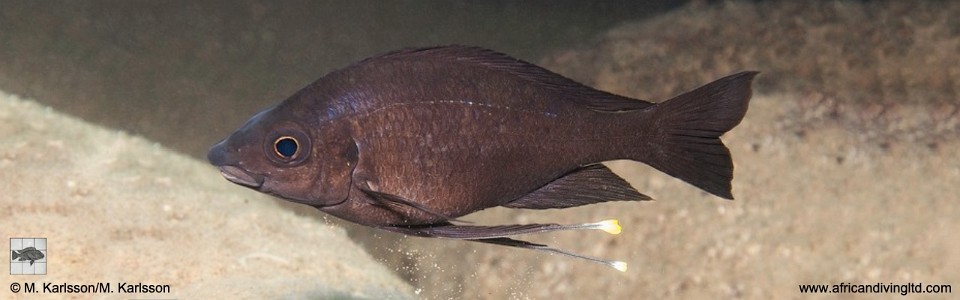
{"x": 275, "y": 154}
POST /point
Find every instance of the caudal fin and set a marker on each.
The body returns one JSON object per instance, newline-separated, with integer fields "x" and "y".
{"x": 693, "y": 122}
{"x": 15, "y": 254}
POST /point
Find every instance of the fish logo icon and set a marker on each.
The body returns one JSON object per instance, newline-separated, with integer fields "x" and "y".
{"x": 28, "y": 256}
{"x": 28, "y": 253}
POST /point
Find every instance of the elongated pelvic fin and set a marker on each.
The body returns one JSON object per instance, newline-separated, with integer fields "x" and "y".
{"x": 499, "y": 235}
{"x": 609, "y": 226}
{"x": 470, "y": 232}
{"x": 618, "y": 265}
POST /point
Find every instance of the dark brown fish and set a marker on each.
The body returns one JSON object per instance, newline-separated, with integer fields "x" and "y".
{"x": 411, "y": 140}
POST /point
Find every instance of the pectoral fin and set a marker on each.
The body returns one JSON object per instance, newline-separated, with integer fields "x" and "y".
{"x": 586, "y": 185}
{"x": 396, "y": 202}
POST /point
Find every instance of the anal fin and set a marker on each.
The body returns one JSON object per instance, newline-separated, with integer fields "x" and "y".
{"x": 587, "y": 185}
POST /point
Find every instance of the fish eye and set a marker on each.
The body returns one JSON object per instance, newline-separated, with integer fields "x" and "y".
{"x": 286, "y": 147}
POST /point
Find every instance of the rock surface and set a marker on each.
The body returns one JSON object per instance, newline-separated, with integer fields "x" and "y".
{"x": 117, "y": 208}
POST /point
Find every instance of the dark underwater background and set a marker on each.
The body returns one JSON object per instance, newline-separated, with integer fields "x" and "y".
{"x": 186, "y": 73}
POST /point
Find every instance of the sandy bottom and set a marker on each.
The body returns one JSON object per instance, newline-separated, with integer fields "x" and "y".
{"x": 116, "y": 208}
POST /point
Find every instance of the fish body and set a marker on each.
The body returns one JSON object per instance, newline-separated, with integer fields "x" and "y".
{"x": 413, "y": 139}
{"x": 28, "y": 253}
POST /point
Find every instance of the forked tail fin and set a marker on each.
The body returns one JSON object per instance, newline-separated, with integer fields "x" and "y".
{"x": 692, "y": 123}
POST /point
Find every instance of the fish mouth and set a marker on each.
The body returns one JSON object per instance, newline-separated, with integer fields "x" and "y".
{"x": 241, "y": 177}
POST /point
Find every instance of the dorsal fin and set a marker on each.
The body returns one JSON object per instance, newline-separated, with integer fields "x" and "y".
{"x": 594, "y": 99}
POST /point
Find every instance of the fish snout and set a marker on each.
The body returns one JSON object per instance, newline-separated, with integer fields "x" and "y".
{"x": 220, "y": 157}
{"x": 217, "y": 155}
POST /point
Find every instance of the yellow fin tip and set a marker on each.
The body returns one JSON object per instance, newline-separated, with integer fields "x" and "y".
{"x": 611, "y": 226}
